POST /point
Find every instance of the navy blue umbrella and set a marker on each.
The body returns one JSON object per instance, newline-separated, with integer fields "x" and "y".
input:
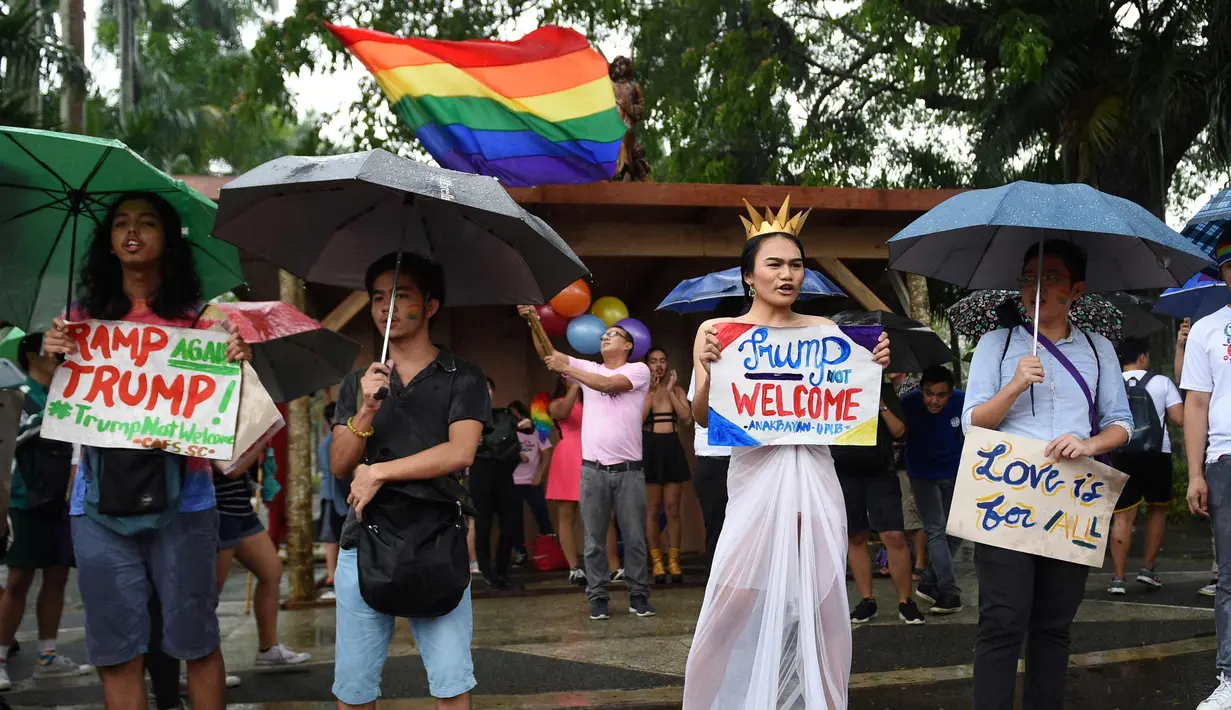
{"x": 1200, "y": 296}
{"x": 1205, "y": 234}
{"x": 978, "y": 239}
{"x": 705, "y": 292}
{"x": 1217, "y": 209}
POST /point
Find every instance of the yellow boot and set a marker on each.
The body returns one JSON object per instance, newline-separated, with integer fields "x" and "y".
{"x": 659, "y": 572}
{"x": 673, "y": 565}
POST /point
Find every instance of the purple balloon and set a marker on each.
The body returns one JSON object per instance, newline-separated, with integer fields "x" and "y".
{"x": 641, "y": 337}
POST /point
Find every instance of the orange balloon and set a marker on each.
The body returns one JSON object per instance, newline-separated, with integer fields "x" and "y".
{"x": 573, "y": 300}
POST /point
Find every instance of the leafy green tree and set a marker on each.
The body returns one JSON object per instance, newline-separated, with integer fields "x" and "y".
{"x": 33, "y": 64}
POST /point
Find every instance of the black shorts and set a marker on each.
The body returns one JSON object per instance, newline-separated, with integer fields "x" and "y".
{"x": 873, "y": 502}
{"x": 1149, "y": 479}
{"x": 663, "y": 457}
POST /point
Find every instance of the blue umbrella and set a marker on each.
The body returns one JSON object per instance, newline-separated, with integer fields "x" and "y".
{"x": 1200, "y": 296}
{"x": 978, "y": 239}
{"x": 705, "y": 292}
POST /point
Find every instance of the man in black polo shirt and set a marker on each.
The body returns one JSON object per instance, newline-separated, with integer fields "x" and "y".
{"x": 428, "y": 428}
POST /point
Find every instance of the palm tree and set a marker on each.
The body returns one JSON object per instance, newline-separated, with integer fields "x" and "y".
{"x": 33, "y": 60}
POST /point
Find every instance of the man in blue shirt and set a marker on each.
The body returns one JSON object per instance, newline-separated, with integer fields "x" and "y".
{"x": 934, "y": 438}
{"x": 1023, "y": 595}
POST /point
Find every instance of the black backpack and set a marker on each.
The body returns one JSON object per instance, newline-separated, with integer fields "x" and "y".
{"x": 500, "y": 442}
{"x": 1148, "y": 430}
{"x": 45, "y": 466}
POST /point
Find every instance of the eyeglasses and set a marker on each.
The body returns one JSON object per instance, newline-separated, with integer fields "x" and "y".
{"x": 613, "y": 334}
{"x": 1047, "y": 279}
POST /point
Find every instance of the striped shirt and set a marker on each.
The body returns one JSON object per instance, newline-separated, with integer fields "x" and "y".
{"x": 234, "y": 495}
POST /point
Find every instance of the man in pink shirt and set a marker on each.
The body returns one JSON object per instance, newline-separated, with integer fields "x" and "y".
{"x": 611, "y": 472}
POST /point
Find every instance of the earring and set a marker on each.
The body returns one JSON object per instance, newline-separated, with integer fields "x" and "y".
{"x": 752, "y": 291}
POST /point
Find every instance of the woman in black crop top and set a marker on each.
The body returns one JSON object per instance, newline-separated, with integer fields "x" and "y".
{"x": 666, "y": 467}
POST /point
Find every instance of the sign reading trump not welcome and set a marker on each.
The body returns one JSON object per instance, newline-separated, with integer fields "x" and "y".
{"x": 1010, "y": 495}
{"x": 133, "y": 386}
{"x": 808, "y": 385}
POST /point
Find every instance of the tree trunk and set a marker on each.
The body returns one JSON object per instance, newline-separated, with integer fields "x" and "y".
{"x": 920, "y": 306}
{"x": 299, "y": 562}
{"x": 126, "y": 16}
{"x": 72, "y": 97}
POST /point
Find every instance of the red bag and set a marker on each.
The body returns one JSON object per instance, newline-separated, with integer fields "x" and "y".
{"x": 548, "y": 555}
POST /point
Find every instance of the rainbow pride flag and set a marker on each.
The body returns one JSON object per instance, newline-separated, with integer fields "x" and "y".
{"x": 537, "y": 111}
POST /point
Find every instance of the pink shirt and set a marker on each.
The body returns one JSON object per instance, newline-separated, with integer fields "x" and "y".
{"x": 532, "y": 447}
{"x": 611, "y": 429}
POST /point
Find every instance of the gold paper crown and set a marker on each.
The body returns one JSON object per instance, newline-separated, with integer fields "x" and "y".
{"x": 774, "y": 224}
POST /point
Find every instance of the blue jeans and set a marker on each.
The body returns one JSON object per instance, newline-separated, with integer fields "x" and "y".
{"x": 1218, "y": 478}
{"x": 933, "y": 497}
{"x": 363, "y": 636}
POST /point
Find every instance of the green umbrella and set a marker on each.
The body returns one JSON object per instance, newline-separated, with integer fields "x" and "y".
{"x": 55, "y": 189}
{"x": 10, "y": 338}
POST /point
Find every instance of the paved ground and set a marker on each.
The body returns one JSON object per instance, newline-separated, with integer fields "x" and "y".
{"x": 537, "y": 650}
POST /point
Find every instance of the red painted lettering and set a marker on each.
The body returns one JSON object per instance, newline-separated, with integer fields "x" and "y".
{"x": 80, "y": 332}
{"x": 152, "y": 340}
{"x": 801, "y": 392}
{"x": 833, "y": 406}
{"x": 782, "y": 410}
{"x": 744, "y": 404}
{"x": 105, "y": 378}
{"x": 121, "y": 340}
{"x": 766, "y": 401}
{"x": 173, "y": 392}
{"x": 851, "y": 404}
{"x": 200, "y": 389}
{"x": 101, "y": 341}
{"x": 129, "y": 398}
{"x": 74, "y": 377}
{"x": 815, "y": 403}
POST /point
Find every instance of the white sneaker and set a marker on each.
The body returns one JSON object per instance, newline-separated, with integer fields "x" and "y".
{"x": 474, "y": 567}
{"x": 576, "y": 576}
{"x": 1220, "y": 699}
{"x": 230, "y": 681}
{"x": 5, "y": 683}
{"x": 328, "y": 595}
{"x": 279, "y": 655}
{"x": 1209, "y": 590}
{"x": 618, "y": 575}
{"x": 58, "y": 666}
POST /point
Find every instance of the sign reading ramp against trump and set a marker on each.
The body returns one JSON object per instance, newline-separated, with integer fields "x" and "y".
{"x": 814, "y": 384}
{"x": 133, "y": 386}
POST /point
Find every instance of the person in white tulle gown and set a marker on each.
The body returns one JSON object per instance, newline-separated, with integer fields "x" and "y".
{"x": 774, "y": 630}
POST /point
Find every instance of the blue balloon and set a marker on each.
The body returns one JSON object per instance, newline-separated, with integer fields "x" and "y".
{"x": 585, "y": 333}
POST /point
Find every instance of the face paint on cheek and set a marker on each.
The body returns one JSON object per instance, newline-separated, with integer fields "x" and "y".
{"x": 1062, "y": 300}
{"x": 413, "y": 313}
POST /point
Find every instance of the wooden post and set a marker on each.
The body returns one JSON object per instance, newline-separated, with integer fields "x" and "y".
{"x": 851, "y": 284}
{"x": 299, "y": 563}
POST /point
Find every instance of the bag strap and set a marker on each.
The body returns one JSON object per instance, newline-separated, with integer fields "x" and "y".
{"x": 1068, "y": 365}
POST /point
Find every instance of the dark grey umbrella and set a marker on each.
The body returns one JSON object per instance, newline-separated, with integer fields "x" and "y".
{"x": 326, "y": 219}
{"x": 914, "y": 347}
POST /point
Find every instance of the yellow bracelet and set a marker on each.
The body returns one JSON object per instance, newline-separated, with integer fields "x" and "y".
{"x": 350, "y": 424}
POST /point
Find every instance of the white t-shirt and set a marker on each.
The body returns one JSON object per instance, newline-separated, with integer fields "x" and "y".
{"x": 532, "y": 447}
{"x": 1207, "y": 368}
{"x": 700, "y": 444}
{"x": 1164, "y": 394}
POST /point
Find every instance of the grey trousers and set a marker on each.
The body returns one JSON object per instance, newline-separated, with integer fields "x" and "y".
{"x": 933, "y": 497}
{"x": 602, "y": 490}
{"x": 1218, "y": 478}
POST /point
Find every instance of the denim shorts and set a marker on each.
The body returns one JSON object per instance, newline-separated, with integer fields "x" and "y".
{"x": 363, "y": 636}
{"x": 117, "y": 574}
{"x": 232, "y": 529}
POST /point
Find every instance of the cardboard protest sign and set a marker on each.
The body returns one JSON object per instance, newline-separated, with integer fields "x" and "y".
{"x": 1010, "y": 495}
{"x": 808, "y": 385}
{"x": 134, "y": 386}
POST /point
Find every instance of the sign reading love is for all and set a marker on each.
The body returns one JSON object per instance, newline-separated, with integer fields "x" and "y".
{"x": 1010, "y": 495}
{"x": 132, "y": 386}
{"x": 807, "y": 385}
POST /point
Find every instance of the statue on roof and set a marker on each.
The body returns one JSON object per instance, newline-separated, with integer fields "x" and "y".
{"x": 631, "y": 165}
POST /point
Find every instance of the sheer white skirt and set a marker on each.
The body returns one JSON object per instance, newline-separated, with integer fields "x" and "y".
{"x": 775, "y": 631}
